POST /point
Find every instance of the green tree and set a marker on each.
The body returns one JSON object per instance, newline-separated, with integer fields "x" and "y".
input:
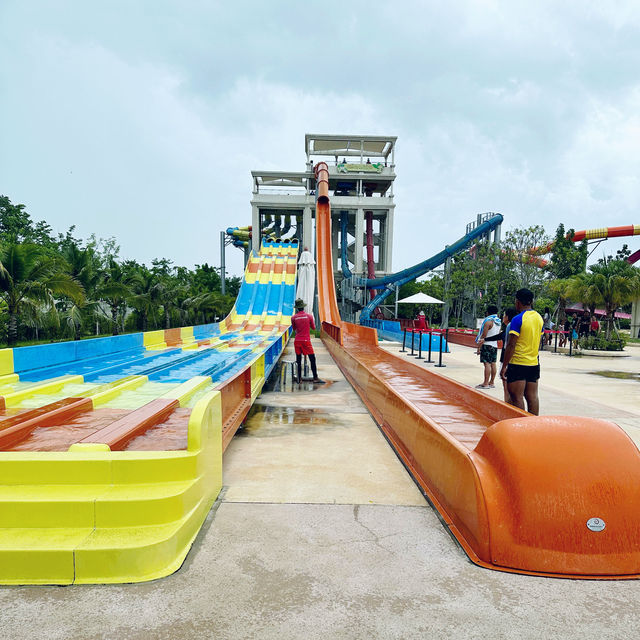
{"x": 520, "y": 246}
{"x": 145, "y": 298}
{"x": 17, "y": 227}
{"x": 30, "y": 276}
{"x": 617, "y": 283}
{"x": 567, "y": 258}
{"x": 85, "y": 268}
{"x": 15, "y": 223}
{"x": 611, "y": 283}
{"x": 115, "y": 291}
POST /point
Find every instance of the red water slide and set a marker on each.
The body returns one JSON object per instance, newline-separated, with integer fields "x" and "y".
{"x": 552, "y": 495}
{"x": 602, "y": 233}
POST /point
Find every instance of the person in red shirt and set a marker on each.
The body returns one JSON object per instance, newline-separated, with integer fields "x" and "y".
{"x": 420, "y": 323}
{"x": 302, "y": 324}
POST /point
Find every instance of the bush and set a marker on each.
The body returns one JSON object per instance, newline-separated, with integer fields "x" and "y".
{"x": 600, "y": 343}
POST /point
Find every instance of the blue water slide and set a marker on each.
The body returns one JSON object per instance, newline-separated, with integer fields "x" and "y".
{"x": 407, "y": 275}
{"x": 260, "y": 298}
{"x": 274, "y": 301}
{"x": 288, "y": 299}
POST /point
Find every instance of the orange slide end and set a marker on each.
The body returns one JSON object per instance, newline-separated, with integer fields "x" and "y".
{"x": 562, "y": 496}
{"x": 542, "y": 495}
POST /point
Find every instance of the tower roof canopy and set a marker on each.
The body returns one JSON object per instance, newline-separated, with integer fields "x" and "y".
{"x": 330, "y": 145}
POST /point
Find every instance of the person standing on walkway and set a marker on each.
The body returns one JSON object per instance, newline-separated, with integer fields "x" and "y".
{"x": 546, "y": 324}
{"x": 521, "y": 365}
{"x": 488, "y": 353}
{"x": 507, "y": 317}
{"x": 302, "y": 324}
{"x": 420, "y": 323}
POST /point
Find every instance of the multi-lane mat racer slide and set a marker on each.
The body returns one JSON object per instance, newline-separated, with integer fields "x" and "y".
{"x": 111, "y": 449}
{"x": 549, "y": 495}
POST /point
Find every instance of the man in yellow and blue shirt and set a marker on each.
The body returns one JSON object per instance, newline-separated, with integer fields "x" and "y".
{"x": 521, "y": 366}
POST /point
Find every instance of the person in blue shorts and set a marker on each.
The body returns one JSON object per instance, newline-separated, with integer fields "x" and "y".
{"x": 521, "y": 365}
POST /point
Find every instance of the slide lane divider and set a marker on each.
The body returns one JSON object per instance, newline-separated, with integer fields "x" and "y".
{"x": 14, "y": 398}
{"x": 117, "y": 434}
{"x": 54, "y": 414}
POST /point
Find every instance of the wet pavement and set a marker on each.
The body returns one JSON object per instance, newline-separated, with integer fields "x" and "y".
{"x": 321, "y": 533}
{"x": 314, "y": 443}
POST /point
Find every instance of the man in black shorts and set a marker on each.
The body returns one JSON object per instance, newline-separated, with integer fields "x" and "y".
{"x": 521, "y": 366}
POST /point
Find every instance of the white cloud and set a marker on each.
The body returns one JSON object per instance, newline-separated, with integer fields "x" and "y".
{"x": 145, "y": 124}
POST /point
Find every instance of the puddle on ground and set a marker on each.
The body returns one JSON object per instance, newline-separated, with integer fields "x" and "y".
{"x": 265, "y": 421}
{"x": 618, "y": 375}
{"x": 281, "y": 381}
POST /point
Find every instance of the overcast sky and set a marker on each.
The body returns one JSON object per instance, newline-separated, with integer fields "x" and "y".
{"x": 143, "y": 120}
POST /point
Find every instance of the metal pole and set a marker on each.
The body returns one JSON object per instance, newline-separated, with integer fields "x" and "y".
{"x": 404, "y": 340}
{"x": 440, "y": 356}
{"x": 555, "y": 346}
{"x": 447, "y": 286}
{"x": 396, "y": 311}
{"x": 419, "y": 356}
{"x": 570, "y": 341}
{"x": 222, "y": 264}
{"x": 413, "y": 334}
{"x": 430, "y": 340}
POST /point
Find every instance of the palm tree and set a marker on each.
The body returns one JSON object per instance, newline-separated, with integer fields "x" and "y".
{"x": 208, "y": 304}
{"x": 616, "y": 283}
{"x": 170, "y": 295}
{"x": 611, "y": 283}
{"x": 30, "y": 275}
{"x": 559, "y": 289}
{"x": 580, "y": 288}
{"x": 115, "y": 291}
{"x": 146, "y": 292}
{"x": 84, "y": 266}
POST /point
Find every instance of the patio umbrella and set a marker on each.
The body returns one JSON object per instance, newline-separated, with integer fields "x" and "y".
{"x": 421, "y": 298}
{"x": 306, "y": 279}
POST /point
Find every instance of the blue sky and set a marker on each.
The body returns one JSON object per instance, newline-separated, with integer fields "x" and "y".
{"x": 143, "y": 120}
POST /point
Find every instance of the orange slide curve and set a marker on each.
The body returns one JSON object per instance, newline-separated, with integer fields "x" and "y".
{"x": 550, "y": 495}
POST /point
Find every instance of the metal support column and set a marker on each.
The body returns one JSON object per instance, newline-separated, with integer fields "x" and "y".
{"x": 335, "y": 233}
{"x": 255, "y": 228}
{"x": 447, "y": 286}
{"x": 359, "y": 237}
{"x": 223, "y": 270}
{"x": 635, "y": 319}
{"x": 388, "y": 241}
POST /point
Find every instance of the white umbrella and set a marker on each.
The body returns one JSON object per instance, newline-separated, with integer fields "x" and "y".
{"x": 421, "y": 298}
{"x": 306, "y": 279}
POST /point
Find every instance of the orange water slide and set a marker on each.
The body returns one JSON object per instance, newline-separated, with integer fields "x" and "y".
{"x": 553, "y": 495}
{"x": 327, "y": 303}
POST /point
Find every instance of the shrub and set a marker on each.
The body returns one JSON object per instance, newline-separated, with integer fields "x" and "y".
{"x": 600, "y": 343}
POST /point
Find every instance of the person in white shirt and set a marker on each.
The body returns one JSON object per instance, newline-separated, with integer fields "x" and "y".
{"x": 488, "y": 353}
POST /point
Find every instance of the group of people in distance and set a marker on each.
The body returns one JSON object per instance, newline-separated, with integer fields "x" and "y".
{"x": 520, "y": 330}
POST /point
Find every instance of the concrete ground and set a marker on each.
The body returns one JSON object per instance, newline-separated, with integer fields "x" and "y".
{"x": 321, "y": 533}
